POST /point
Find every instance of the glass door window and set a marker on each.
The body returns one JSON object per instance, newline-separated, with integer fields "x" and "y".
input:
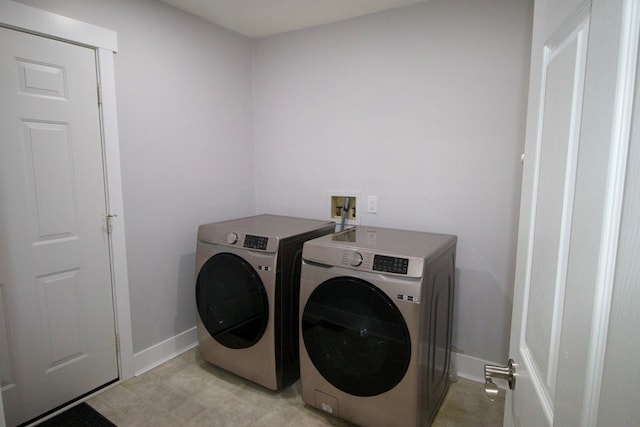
{"x": 232, "y": 301}
{"x": 356, "y": 337}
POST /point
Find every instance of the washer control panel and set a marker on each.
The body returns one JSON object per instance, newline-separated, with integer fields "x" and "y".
{"x": 389, "y": 264}
{"x": 369, "y": 261}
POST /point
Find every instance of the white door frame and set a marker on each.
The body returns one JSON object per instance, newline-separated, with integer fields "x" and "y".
{"x": 621, "y": 138}
{"x": 32, "y": 20}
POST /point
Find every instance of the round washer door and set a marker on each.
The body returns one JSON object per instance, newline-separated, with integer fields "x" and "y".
{"x": 355, "y": 336}
{"x": 232, "y": 301}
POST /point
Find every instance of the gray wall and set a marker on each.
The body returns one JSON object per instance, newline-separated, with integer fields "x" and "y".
{"x": 184, "y": 111}
{"x": 422, "y": 106}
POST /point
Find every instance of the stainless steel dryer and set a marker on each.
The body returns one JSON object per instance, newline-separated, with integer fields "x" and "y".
{"x": 247, "y": 292}
{"x": 376, "y": 310}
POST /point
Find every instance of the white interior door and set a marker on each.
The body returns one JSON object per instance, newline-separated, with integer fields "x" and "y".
{"x": 56, "y": 302}
{"x": 569, "y": 209}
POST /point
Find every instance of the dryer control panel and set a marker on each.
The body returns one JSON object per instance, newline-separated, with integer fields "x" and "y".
{"x": 238, "y": 239}
{"x": 255, "y": 242}
{"x": 248, "y": 241}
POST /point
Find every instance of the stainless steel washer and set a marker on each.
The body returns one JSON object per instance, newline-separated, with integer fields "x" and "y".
{"x": 376, "y": 313}
{"x": 247, "y": 292}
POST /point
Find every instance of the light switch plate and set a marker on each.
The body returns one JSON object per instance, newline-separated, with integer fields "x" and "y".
{"x": 372, "y": 204}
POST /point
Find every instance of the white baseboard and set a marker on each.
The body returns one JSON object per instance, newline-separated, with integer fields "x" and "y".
{"x": 469, "y": 367}
{"x": 165, "y": 350}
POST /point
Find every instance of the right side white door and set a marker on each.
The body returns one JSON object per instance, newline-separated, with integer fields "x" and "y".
{"x": 567, "y": 209}
{"x": 57, "y": 324}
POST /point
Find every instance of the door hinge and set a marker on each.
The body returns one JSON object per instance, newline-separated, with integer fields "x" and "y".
{"x": 117, "y": 343}
{"x": 99, "y": 94}
{"x": 110, "y": 222}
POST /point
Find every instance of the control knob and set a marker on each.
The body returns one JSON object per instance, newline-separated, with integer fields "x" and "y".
{"x": 356, "y": 259}
{"x": 232, "y": 238}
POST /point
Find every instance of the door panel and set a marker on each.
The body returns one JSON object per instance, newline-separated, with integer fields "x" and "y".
{"x": 552, "y": 147}
{"x": 55, "y": 276}
{"x": 51, "y": 182}
{"x": 557, "y": 156}
{"x": 566, "y": 242}
{"x": 39, "y": 79}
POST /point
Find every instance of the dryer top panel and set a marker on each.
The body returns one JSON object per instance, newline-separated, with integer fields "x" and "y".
{"x": 382, "y": 250}
{"x": 260, "y": 231}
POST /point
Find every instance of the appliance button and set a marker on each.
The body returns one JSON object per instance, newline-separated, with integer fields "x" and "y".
{"x": 232, "y": 238}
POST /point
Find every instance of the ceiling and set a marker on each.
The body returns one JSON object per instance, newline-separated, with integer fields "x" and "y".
{"x": 259, "y": 18}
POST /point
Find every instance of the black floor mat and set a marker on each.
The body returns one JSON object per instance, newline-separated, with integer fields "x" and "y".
{"x": 78, "y": 416}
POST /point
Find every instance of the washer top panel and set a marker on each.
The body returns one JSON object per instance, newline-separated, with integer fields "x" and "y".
{"x": 261, "y": 232}
{"x": 381, "y": 250}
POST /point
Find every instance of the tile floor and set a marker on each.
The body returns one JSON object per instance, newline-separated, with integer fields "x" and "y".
{"x": 186, "y": 391}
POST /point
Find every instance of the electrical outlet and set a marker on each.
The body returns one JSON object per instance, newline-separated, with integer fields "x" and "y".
{"x": 338, "y": 204}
